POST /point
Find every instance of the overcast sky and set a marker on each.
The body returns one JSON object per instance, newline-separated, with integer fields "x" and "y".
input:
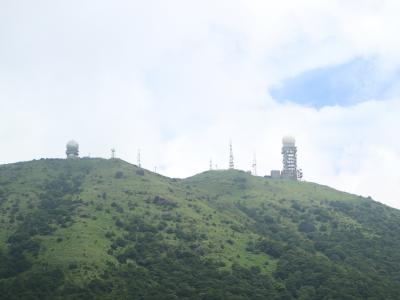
{"x": 179, "y": 79}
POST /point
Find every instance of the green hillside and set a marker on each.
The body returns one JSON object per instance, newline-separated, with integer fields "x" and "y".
{"x": 105, "y": 229}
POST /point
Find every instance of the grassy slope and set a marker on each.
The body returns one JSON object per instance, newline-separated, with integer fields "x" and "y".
{"x": 224, "y": 207}
{"x": 84, "y": 242}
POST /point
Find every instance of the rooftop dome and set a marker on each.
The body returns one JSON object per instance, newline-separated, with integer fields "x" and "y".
{"x": 72, "y": 144}
{"x": 288, "y": 140}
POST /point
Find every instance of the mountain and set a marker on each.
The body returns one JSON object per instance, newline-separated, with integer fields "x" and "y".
{"x": 105, "y": 229}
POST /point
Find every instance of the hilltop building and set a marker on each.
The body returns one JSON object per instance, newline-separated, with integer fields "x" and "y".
{"x": 289, "y": 160}
{"x": 275, "y": 174}
{"x": 72, "y": 149}
{"x": 289, "y": 152}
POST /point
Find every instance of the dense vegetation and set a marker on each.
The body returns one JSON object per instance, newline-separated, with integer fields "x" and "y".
{"x": 104, "y": 229}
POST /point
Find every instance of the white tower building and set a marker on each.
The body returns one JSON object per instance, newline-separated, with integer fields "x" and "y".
{"x": 72, "y": 149}
{"x": 289, "y": 152}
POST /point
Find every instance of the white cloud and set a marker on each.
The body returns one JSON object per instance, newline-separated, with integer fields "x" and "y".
{"x": 178, "y": 79}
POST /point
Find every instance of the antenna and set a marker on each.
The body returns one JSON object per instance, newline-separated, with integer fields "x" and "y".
{"x": 231, "y": 164}
{"x": 254, "y": 165}
{"x": 211, "y": 164}
{"x": 138, "y": 159}
{"x": 112, "y": 153}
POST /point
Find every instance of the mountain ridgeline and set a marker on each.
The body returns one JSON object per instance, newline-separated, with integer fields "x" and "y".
{"x": 105, "y": 229}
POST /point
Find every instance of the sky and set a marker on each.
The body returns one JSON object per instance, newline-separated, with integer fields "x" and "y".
{"x": 179, "y": 79}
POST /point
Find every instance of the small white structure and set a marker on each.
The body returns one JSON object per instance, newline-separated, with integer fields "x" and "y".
{"x": 275, "y": 174}
{"x": 72, "y": 149}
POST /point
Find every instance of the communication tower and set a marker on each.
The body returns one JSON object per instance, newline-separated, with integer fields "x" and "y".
{"x": 138, "y": 159}
{"x": 231, "y": 164}
{"x": 112, "y": 153}
{"x": 254, "y": 165}
{"x": 289, "y": 152}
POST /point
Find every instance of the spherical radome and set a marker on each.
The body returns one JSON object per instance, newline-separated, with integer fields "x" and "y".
{"x": 72, "y": 149}
{"x": 288, "y": 140}
{"x": 72, "y": 145}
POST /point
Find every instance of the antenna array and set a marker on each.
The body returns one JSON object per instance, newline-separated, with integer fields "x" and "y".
{"x": 231, "y": 164}
{"x": 254, "y": 165}
{"x": 138, "y": 159}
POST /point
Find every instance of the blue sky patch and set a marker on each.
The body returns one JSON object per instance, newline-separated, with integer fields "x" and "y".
{"x": 347, "y": 84}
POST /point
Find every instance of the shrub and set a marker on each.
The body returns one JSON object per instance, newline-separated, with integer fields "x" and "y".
{"x": 119, "y": 174}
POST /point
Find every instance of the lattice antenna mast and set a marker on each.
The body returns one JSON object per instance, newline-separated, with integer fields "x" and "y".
{"x": 112, "y": 153}
{"x": 211, "y": 166}
{"x": 138, "y": 159}
{"x": 254, "y": 165}
{"x": 231, "y": 164}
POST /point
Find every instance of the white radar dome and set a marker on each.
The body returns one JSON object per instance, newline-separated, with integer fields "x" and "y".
{"x": 288, "y": 140}
{"x": 72, "y": 144}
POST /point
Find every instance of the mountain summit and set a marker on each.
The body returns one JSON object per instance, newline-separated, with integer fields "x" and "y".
{"x": 105, "y": 229}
